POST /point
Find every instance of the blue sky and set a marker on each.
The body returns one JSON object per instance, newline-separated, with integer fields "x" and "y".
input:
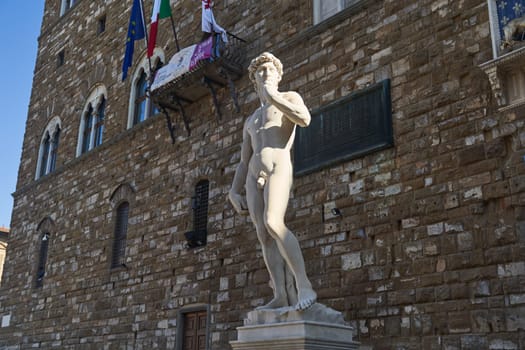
{"x": 20, "y": 26}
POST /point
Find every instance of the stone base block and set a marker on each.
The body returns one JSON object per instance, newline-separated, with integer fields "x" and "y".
{"x": 296, "y": 335}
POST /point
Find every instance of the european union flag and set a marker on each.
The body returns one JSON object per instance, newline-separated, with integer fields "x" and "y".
{"x": 135, "y": 32}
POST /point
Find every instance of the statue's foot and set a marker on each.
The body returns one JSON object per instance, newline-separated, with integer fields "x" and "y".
{"x": 307, "y": 297}
{"x": 275, "y": 303}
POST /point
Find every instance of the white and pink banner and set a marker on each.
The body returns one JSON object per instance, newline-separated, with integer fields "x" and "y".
{"x": 183, "y": 62}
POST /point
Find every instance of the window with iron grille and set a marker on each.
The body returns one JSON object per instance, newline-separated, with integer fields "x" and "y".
{"x": 350, "y": 127}
{"x": 121, "y": 230}
{"x": 199, "y": 204}
{"x": 42, "y": 259}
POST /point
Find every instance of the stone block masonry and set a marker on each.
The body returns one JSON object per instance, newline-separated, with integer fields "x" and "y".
{"x": 428, "y": 252}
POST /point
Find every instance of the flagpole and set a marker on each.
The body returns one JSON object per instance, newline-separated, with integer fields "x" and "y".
{"x": 174, "y": 32}
{"x": 147, "y": 41}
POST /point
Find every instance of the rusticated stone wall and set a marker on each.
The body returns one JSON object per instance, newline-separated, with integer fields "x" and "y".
{"x": 427, "y": 254}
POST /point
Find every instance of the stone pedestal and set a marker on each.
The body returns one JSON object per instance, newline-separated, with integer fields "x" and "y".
{"x": 318, "y": 328}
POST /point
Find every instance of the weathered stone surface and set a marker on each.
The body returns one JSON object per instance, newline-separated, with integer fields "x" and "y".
{"x": 430, "y": 241}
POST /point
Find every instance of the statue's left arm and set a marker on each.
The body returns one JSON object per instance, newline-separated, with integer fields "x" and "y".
{"x": 291, "y": 104}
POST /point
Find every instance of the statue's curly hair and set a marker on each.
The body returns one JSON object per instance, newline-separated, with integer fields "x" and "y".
{"x": 263, "y": 58}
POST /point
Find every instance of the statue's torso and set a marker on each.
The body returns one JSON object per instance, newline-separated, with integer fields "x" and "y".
{"x": 272, "y": 137}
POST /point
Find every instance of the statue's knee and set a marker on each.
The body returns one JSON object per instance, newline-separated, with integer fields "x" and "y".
{"x": 275, "y": 226}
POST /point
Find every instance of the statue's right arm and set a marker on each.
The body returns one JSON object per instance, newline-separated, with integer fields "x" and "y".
{"x": 239, "y": 179}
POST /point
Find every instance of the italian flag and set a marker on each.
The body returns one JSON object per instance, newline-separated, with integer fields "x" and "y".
{"x": 161, "y": 9}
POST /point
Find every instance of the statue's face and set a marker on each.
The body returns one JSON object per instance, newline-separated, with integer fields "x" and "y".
{"x": 267, "y": 74}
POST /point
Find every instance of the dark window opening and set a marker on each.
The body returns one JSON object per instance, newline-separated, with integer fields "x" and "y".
{"x": 61, "y": 58}
{"x": 42, "y": 259}
{"x": 121, "y": 230}
{"x": 199, "y": 205}
{"x": 101, "y": 27}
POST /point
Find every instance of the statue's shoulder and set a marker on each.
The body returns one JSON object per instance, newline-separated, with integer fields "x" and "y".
{"x": 252, "y": 117}
{"x": 292, "y": 96}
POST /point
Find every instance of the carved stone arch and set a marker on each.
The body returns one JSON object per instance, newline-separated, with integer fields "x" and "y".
{"x": 123, "y": 193}
{"x": 204, "y": 172}
{"x": 96, "y": 95}
{"x": 83, "y": 90}
{"x": 100, "y": 70}
{"x": 198, "y": 174}
{"x": 47, "y": 225}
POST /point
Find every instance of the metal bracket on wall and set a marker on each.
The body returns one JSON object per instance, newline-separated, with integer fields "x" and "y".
{"x": 177, "y": 107}
{"x": 171, "y": 128}
{"x": 233, "y": 92}
{"x": 209, "y": 83}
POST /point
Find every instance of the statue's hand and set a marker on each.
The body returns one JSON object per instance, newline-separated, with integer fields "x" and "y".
{"x": 239, "y": 203}
{"x": 270, "y": 92}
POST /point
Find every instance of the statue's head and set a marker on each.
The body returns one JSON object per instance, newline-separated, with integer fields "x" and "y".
{"x": 262, "y": 59}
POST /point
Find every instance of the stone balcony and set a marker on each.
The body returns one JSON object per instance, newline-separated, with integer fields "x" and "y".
{"x": 173, "y": 89}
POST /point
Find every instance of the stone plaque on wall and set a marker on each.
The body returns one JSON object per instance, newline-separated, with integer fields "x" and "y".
{"x": 350, "y": 127}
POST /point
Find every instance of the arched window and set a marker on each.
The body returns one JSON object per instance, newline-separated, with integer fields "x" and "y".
{"x": 66, "y": 5}
{"x": 42, "y": 259}
{"x": 121, "y": 201}
{"x": 91, "y": 130}
{"x": 48, "y": 151}
{"x": 120, "y": 234}
{"x": 141, "y": 107}
{"x": 44, "y": 230}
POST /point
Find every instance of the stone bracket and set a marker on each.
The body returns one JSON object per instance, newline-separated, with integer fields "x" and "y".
{"x": 507, "y": 79}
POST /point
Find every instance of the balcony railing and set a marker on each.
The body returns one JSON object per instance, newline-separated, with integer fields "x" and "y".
{"x": 187, "y": 78}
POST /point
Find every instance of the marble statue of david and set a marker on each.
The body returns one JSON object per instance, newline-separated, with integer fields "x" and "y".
{"x": 265, "y": 170}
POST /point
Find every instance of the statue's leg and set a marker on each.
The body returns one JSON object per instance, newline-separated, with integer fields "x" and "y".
{"x": 291, "y": 290}
{"x": 276, "y": 195}
{"x": 272, "y": 258}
